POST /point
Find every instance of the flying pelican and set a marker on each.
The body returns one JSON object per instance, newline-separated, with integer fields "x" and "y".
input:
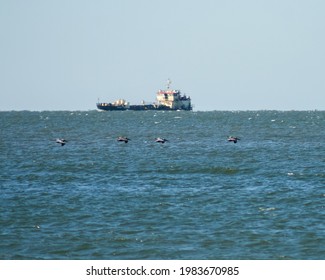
{"x": 233, "y": 139}
{"x": 160, "y": 140}
{"x": 61, "y": 141}
{"x": 123, "y": 139}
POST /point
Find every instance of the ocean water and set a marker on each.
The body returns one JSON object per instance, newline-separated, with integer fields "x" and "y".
{"x": 195, "y": 197}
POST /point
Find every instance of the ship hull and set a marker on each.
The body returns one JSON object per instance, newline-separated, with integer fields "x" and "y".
{"x": 111, "y": 107}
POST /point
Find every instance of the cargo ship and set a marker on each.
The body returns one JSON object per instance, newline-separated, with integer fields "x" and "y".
{"x": 168, "y": 99}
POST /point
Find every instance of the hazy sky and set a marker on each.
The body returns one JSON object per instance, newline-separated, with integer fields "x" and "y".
{"x": 225, "y": 54}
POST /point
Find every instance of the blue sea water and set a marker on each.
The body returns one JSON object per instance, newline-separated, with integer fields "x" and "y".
{"x": 195, "y": 197}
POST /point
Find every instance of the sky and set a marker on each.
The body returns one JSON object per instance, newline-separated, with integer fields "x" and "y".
{"x": 224, "y": 54}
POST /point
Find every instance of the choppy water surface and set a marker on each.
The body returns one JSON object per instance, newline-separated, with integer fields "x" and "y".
{"x": 194, "y": 197}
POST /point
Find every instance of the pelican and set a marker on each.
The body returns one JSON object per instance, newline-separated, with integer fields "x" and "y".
{"x": 233, "y": 139}
{"x": 160, "y": 140}
{"x": 123, "y": 139}
{"x": 61, "y": 141}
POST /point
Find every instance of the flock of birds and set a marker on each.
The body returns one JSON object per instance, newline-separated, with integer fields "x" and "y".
{"x": 125, "y": 139}
{"x": 62, "y": 141}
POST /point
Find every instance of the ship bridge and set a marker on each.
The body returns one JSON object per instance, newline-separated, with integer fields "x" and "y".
{"x": 173, "y": 99}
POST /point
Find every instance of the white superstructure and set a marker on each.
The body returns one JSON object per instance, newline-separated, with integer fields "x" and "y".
{"x": 173, "y": 99}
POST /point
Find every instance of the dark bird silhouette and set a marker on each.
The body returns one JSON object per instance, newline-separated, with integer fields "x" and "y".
{"x": 123, "y": 139}
{"x": 233, "y": 139}
{"x": 161, "y": 140}
{"x": 61, "y": 141}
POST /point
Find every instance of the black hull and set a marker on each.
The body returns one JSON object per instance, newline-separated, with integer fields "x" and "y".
{"x": 110, "y": 107}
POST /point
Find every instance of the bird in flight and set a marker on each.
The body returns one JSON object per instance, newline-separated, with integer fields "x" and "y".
{"x": 123, "y": 139}
{"x": 161, "y": 140}
{"x": 61, "y": 141}
{"x": 233, "y": 139}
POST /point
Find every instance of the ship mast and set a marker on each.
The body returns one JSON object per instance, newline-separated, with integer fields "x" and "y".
{"x": 168, "y": 83}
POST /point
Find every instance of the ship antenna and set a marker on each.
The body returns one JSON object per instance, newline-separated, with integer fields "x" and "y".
{"x": 168, "y": 83}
